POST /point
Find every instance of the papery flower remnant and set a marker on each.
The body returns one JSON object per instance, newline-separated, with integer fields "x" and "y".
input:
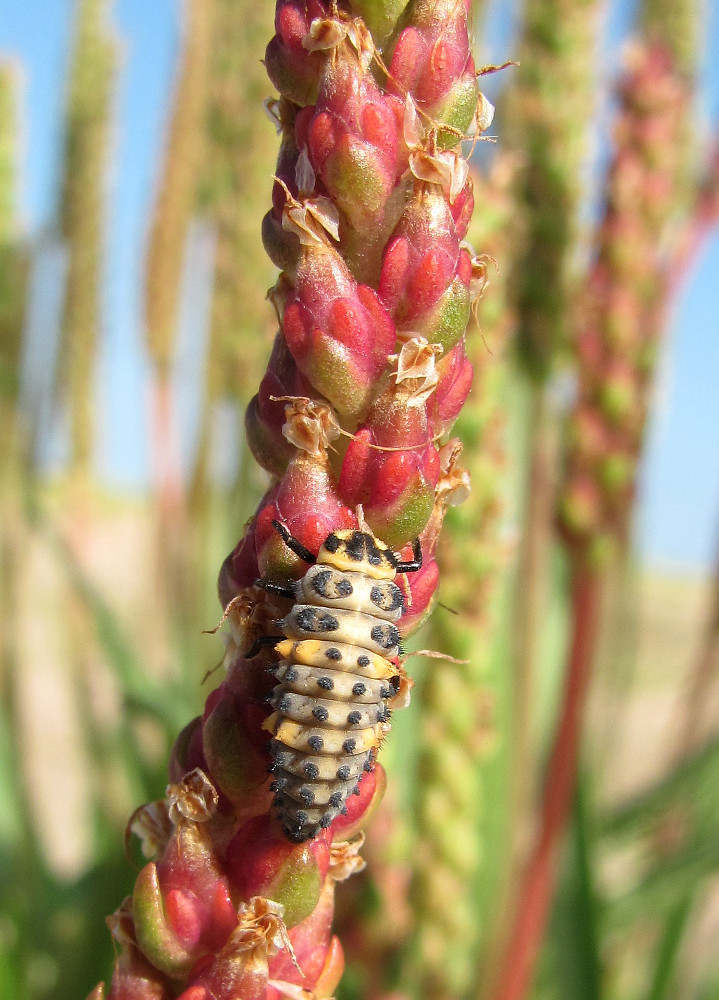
{"x": 370, "y": 206}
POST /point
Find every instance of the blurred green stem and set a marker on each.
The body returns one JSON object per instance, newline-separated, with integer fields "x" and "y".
{"x": 531, "y": 586}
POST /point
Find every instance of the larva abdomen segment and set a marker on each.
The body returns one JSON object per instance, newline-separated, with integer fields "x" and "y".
{"x": 371, "y": 633}
{"x": 332, "y": 742}
{"x": 322, "y": 768}
{"x": 348, "y": 657}
{"x": 333, "y": 684}
{"x": 331, "y": 714}
{"x": 351, "y": 592}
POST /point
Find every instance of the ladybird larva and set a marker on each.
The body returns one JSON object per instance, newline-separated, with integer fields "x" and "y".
{"x": 335, "y": 677}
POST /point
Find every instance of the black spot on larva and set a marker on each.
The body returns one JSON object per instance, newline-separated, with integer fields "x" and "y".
{"x": 355, "y": 545}
{"x": 320, "y": 713}
{"x": 301, "y": 817}
{"x": 349, "y": 745}
{"x": 326, "y": 683}
{"x": 367, "y": 766}
{"x": 354, "y": 718}
{"x": 307, "y": 619}
{"x": 344, "y": 587}
{"x": 374, "y": 555}
{"x": 284, "y": 704}
{"x": 343, "y": 772}
{"x": 385, "y": 635}
{"x": 343, "y": 811}
{"x": 291, "y": 676}
{"x": 320, "y": 581}
{"x": 363, "y": 661}
{"x": 332, "y": 542}
{"x": 278, "y": 785}
{"x": 359, "y": 688}
{"x": 315, "y": 742}
{"x": 383, "y": 713}
{"x": 311, "y": 770}
{"x": 387, "y": 596}
{"x": 307, "y": 796}
{"x": 335, "y": 800}
{"x": 333, "y": 653}
{"x": 325, "y": 821}
{"x": 311, "y": 619}
{"x": 386, "y": 692}
{"x": 355, "y": 790}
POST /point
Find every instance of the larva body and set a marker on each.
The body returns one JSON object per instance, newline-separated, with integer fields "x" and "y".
{"x": 335, "y": 678}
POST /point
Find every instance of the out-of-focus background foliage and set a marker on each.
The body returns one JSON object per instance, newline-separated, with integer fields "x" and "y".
{"x": 135, "y": 168}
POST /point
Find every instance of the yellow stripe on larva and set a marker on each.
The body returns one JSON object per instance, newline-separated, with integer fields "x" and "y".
{"x": 354, "y": 659}
{"x": 297, "y": 736}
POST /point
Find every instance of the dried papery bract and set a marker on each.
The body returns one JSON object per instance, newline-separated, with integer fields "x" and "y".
{"x": 367, "y": 374}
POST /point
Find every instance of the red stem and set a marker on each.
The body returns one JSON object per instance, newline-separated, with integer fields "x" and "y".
{"x": 537, "y": 886}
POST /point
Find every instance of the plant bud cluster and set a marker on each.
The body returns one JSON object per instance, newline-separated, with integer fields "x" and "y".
{"x": 622, "y": 309}
{"x": 370, "y": 207}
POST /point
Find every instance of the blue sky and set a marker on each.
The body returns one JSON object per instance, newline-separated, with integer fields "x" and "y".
{"x": 678, "y": 520}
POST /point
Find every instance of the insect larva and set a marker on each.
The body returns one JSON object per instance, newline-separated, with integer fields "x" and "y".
{"x": 335, "y": 677}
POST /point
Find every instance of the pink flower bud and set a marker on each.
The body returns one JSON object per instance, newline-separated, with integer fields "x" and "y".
{"x": 425, "y": 275}
{"x": 308, "y": 503}
{"x": 263, "y": 862}
{"x": 187, "y": 753}
{"x": 234, "y": 743}
{"x": 361, "y": 807}
{"x": 293, "y": 68}
{"x": 310, "y": 940}
{"x": 454, "y": 385}
{"x": 182, "y": 905}
{"x": 432, "y": 60}
{"x": 420, "y": 589}
{"x": 133, "y": 977}
{"x": 265, "y": 415}
{"x": 338, "y": 331}
{"x": 351, "y": 136}
{"x": 391, "y": 467}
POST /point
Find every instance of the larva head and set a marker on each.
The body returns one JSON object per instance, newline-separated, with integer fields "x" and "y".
{"x": 349, "y": 550}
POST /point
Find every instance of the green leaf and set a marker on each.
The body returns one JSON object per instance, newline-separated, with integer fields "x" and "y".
{"x": 575, "y": 932}
{"x": 669, "y": 949}
{"x": 683, "y": 782}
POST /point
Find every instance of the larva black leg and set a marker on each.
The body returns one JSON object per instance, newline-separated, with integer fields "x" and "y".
{"x": 293, "y": 543}
{"x": 258, "y": 644}
{"x": 281, "y": 589}
{"x": 416, "y": 563}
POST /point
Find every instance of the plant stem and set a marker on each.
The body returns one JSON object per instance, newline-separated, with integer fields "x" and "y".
{"x": 531, "y": 585}
{"x": 538, "y": 883}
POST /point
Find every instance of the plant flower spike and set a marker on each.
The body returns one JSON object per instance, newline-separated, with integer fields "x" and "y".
{"x": 272, "y": 787}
